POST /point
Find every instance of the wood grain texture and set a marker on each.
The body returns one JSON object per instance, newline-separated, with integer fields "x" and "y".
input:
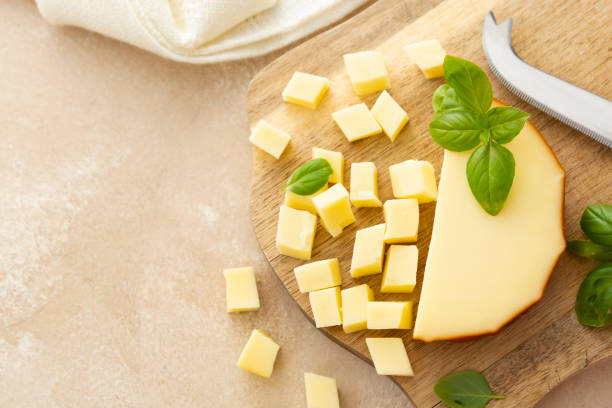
{"x": 568, "y": 39}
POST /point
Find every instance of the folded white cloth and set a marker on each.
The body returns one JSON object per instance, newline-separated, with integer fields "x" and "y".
{"x": 200, "y": 31}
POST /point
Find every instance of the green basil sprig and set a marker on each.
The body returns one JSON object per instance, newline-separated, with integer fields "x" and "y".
{"x": 594, "y": 299}
{"x": 465, "y": 389}
{"x": 589, "y": 249}
{"x": 596, "y": 222}
{"x": 310, "y": 177}
{"x": 464, "y": 121}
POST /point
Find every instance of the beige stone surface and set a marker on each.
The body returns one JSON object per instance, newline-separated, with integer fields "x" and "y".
{"x": 124, "y": 193}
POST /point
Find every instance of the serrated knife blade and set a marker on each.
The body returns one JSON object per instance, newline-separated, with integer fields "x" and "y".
{"x": 583, "y": 110}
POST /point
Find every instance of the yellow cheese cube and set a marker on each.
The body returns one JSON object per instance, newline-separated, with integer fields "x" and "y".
{"x": 364, "y": 185}
{"x": 400, "y": 272}
{"x": 326, "y": 306}
{"x": 356, "y": 122}
{"x": 367, "y": 71}
{"x": 258, "y": 354}
{"x": 305, "y": 90}
{"x": 295, "y": 232}
{"x": 241, "y": 289}
{"x": 318, "y": 275}
{"x": 355, "y": 307}
{"x": 389, "y": 315}
{"x": 334, "y": 209}
{"x": 300, "y": 202}
{"x": 429, "y": 56}
{"x": 402, "y": 219}
{"x": 414, "y": 179}
{"x": 321, "y": 392}
{"x": 389, "y": 356}
{"x": 389, "y": 115}
{"x": 335, "y": 160}
{"x": 368, "y": 251}
{"x": 269, "y": 138}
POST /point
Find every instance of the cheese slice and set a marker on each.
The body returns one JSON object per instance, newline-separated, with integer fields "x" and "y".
{"x": 355, "y": 307}
{"x": 389, "y": 356}
{"x": 318, "y": 275}
{"x": 259, "y": 354}
{"x": 321, "y": 391}
{"x": 300, "y": 202}
{"x": 429, "y": 56}
{"x": 335, "y": 160}
{"x": 269, "y": 138}
{"x": 368, "y": 251}
{"x": 389, "y": 315}
{"x": 356, "y": 122}
{"x": 326, "y": 306}
{"x": 482, "y": 270}
{"x": 305, "y": 89}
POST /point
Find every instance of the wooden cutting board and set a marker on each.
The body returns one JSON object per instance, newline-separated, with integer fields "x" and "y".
{"x": 568, "y": 39}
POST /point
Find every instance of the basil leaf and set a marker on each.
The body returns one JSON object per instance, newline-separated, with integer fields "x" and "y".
{"x": 594, "y": 300}
{"x": 309, "y": 177}
{"x": 458, "y": 131}
{"x": 445, "y": 100}
{"x": 465, "y": 389}
{"x": 589, "y": 249}
{"x": 490, "y": 172}
{"x": 470, "y": 83}
{"x": 505, "y": 123}
{"x": 596, "y": 222}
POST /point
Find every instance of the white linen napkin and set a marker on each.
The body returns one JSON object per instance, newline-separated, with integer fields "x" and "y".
{"x": 200, "y": 31}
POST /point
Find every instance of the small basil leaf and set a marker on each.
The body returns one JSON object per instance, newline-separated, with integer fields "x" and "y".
{"x": 490, "y": 172}
{"x": 457, "y": 131}
{"x": 594, "y": 300}
{"x": 445, "y": 100}
{"x": 470, "y": 83}
{"x": 596, "y": 222}
{"x": 309, "y": 177}
{"x": 465, "y": 389}
{"x": 589, "y": 249}
{"x": 506, "y": 122}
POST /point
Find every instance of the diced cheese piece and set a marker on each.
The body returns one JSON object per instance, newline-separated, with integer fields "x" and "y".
{"x": 368, "y": 251}
{"x": 305, "y": 90}
{"x": 355, "y": 307}
{"x": 367, "y": 72}
{"x": 356, "y": 122}
{"x": 400, "y": 271}
{"x": 321, "y": 392}
{"x": 295, "y": 232}
{"x": 241, "y": 289}
{"x": 318, "y": 275}
{"x": 389, "y": 356}
{"x": 326, "y": 305}
{"x": 483, "y": 270}
{"x": 389, "y": 315}
{"x": 300, "y": 202}
{"x": 335, "y": 160}
{"x": 334, "y": 209}
{"x": 389, "y": 115}
{"x": 259, "y": 354}
{"x": 429, "y": 56}
{"x": 402, "y": 219}
{"x": 414, "y": 179}
{"x": 364, "y": 185}
{"x": 270, "y": 139}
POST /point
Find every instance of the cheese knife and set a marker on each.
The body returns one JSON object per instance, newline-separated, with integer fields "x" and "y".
{"x": 583, "y": 110}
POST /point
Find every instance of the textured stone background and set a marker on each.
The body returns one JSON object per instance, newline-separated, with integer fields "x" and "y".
{"x": 124, "y": 193}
